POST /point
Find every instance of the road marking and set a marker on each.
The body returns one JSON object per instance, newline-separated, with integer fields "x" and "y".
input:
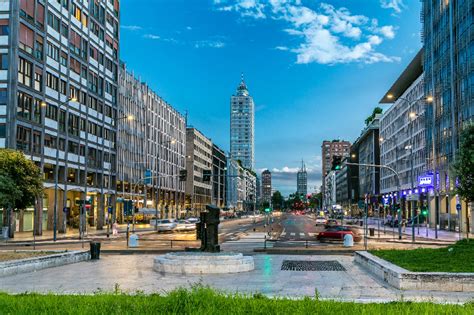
{"x": 283, "y": 234}
{"x": 292, "y": 234}
{"x": 312, "y": 234}
{"x": 301, "y": 234}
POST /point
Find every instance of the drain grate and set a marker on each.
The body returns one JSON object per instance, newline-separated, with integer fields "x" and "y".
{"x": 305, "y": 265}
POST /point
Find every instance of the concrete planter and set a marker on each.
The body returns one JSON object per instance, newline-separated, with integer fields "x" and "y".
{"x": 403, "y": 279}
{"x": 13, "y": 267}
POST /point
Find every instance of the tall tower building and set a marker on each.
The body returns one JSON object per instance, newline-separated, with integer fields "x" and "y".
{"x": 242, "y": 125}
{"x": 266, "y": 186}
{"x": 302, "y": 180}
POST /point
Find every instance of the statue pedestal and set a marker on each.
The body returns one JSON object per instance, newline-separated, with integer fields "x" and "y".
{"x": 203, "y": 263}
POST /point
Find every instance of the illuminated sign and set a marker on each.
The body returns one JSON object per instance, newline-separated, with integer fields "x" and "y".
{"x": 425, "y": 181}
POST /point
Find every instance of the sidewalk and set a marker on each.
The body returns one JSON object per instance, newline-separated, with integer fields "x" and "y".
{"x": 443, "y": 235}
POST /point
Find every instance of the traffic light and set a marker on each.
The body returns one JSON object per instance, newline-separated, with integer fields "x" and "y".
{"x": 206, "y": 175}
{"x": 336, "y": 163}
{"x": 183, "y": 174}
{"x": 424, "y": 212}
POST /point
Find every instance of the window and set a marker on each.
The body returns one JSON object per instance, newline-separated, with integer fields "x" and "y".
{"x": 3, "y": 61}
{"x": 26, "y": 38}
{"x": 53, "y": 21}
{"x": 27, "y": 9}
{"x": 63, "y": 59}
{"x": 40, "y": 15}
{"x": 3, "y": 130}
{"x": 36, "y": 111}
{"x": 62, "y": 87}
{"x": 64, "y": 30}
{"x": 51, "y": 112}
{"x": 3, "y": 96}
{"x": 52, "y": 81}
{"x": 52, "y": 51}
{"x": 62, "y": 120}
{"x": 75, "y": 42}
{"x": 75, "y": 65}
{"x": 24, "y": 105}
{"x": 4, "y": 28}
{"x": 24, "y": 72}
{"x": 50, "y": 141}
{"x": 38, "y": 79}
{"x": 23, "y": 136}
{"x": 39, "y": 47}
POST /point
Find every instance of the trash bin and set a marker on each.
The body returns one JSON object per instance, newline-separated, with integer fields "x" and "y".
{"x": 95, "y": 250}
{"x": 133, "y": 241}
{"x": 372, "y": 231}
{"x": 348, "y": 240}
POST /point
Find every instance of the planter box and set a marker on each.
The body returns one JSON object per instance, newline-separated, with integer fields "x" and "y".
{"x": 403, "y": 279}
{"x": 13, "y": 267}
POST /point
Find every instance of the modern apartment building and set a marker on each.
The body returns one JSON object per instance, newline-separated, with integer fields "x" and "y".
{"x": 151, "y": 148}
{"x": 266, "y": 186}
{"x": 366, "y": 149}
{"x": 198, "y": 159}
{"x": 302, "y": 181}
{"x": 219, "y": 174}
{"x": 242, "y": 126}
{"x": 448, "y": 66}
{"x": 241, "y": 187}
{"x": 58, "y": 104}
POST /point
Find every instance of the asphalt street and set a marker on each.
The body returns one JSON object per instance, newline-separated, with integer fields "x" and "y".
{"x": 299, "y": 228}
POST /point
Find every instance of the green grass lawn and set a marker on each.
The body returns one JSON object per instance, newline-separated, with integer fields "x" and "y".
{"x": 201, "y": 300}
{"x": 455, "y": 258}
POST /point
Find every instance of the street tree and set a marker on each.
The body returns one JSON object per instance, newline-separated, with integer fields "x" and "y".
{"x": 20, "y": 184}
{"x": 277, "y": 200}
{"x": 463, "y": 167}
{"x": 377, "y": 110}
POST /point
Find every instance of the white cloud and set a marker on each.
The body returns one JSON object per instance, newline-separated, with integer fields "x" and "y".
{"x": 189, "y": 28}
{"x": 396, "y": 5}
{"x": 131, "y": 27}
{"x": 328, "y": 35}
{"x": 151, "y": 36}
{"x": 209, "y": 44}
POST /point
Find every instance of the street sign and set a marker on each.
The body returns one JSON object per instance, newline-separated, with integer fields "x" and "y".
{"x": 458, "y": 207}
{"x": 147, "y": 179}
{"x": 413, "y": 197}
{"x": 65, "y": 209}
{"x": 268, "y": 209}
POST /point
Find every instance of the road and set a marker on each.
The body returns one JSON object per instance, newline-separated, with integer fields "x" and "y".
{"x": 299, "y": 228}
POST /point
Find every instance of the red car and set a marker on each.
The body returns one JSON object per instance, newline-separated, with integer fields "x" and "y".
{"x": 338, "y": 233}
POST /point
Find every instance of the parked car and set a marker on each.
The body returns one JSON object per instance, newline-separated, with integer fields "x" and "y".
{"x": 321, "y": 221}
{"x": 337, "y": 233}
{"x": 193, "y": 220}
{"x": 185, "y": 225}
{"x": 166, "y": 225}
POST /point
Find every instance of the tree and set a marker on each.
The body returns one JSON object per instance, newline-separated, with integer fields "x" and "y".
{"x": 377, "y": 110}
{"x": 277, "y": 200}
{"x": 314, "y": 201}
{"x": 20, "y": 184}
{"x": 463, "y": 167}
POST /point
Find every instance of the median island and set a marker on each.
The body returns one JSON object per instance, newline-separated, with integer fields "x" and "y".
{"x": 454, "y": 258}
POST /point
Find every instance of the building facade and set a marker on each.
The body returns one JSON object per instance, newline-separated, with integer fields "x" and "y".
{"x": 267, "y": 186}
{"x": 58, "y": 105}
{"x": 402, "y": 134}
{"x": 241, "y": 187}
{"x": 151, "y": 148}
{"x": 331, "y": 148}
{"x": 367, "y": 149}
{"x": 242, "y": 126}
{"x": 219, "y": 174}
{"x": 198, "y": 159}
{"x": 302, "y": 181}
{"x": 448, "y": 66}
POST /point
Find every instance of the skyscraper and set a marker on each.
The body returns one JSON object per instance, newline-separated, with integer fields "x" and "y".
{"x": 242, "y": 114}
{"x": 302, "y": 180}
{"x": 266, "y": 186}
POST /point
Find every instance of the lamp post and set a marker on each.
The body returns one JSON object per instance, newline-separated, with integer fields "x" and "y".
{"x": 56, "y": 175}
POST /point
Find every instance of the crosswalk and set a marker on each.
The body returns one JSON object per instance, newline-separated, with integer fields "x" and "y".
{"x": 284, "y": 234}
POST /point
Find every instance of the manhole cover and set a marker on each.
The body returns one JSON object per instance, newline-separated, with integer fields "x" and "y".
{"x": 305, "y": 265}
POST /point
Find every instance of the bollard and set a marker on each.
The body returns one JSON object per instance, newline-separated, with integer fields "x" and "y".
{"x": 95, "y": 250}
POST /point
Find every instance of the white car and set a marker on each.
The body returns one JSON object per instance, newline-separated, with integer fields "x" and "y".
{"x": 185, "y": 225}
{"x": 166, "y": 225}
{"x": 193, "y": 220}
{"x": 321, "y": 221}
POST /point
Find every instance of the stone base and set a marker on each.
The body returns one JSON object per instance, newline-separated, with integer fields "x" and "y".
{"x": 203, "y": 263}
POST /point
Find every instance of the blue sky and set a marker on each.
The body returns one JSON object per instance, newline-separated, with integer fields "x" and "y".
{"x": 316, "y": 69}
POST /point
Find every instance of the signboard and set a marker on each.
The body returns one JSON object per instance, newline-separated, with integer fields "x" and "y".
{"x": 81, "y": 202}
{"x": 413, "y": 197}
{"x": 147, "y": 179}
{"x": 425, "y": 181}
{"x": 458, "y": 207}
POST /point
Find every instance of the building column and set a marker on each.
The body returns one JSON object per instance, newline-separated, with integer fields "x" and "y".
{"x": 100, "y": 211}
